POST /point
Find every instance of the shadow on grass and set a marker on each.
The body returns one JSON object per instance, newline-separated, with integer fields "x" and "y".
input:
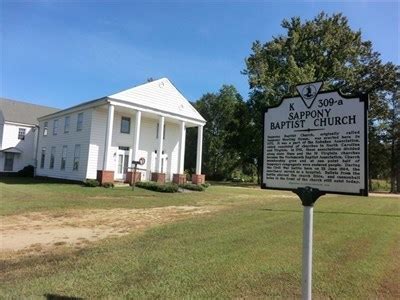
{"x": 35, "y": 180}
{"x": 332, "y": 212}
{"x": 59, "y": 297}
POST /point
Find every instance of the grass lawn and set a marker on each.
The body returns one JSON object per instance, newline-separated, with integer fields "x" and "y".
{"x": 251, "y": 248}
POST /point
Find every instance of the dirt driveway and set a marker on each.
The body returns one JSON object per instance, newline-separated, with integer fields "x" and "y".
{"x": 40, "y": 232}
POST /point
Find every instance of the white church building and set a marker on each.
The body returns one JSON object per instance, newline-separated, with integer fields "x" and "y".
{"x": 99, "y": 139}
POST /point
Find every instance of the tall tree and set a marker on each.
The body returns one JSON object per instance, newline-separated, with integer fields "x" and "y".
{"x": 323, "y": 49}
{"x": 219, "y": 109}
{"x": 393, "y": 138}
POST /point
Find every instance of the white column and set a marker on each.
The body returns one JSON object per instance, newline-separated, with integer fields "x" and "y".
{"x": 182, "y": 142}
{"x": 199, "y": 149}
{"x": 109, "y": 130}
{"x": 160, "y": 142}
{"x": 136, "y": 135}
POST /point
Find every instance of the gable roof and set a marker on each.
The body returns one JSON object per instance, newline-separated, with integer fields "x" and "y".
{"x": 160, "y": 95}
{"x": 23, "y": 112}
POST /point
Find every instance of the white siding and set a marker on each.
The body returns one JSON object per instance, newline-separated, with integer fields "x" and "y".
{"x": 97, "y": 141}
{"x": 70, "y": 139}
{"x": 10, "y": 139}
{"x": 148, "y": 143}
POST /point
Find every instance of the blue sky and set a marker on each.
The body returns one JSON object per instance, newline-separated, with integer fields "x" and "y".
{"x": 60, "y": 53}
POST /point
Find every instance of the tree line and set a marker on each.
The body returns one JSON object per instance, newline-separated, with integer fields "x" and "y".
{"x": 322, "y": 49}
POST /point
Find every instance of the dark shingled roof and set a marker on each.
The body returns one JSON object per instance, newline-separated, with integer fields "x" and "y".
{"x": 23, "y": 112}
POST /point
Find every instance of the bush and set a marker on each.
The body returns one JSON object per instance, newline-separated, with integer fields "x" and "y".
{"x": 237, "y": 180}
{"x": 206, "y": 185}
{"x": 27, "y": 171}
{"x": 239, "y": 176}
{"x": 91, "y": 183}
{"x": 193, "y": 187}
{"x": 162, "y": 188}
{"x": 108, "y": 185}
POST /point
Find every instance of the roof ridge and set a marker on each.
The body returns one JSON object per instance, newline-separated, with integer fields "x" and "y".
{"x": 25, "y": 102}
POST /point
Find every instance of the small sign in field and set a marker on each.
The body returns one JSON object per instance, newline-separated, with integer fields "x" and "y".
{"x": 317, "y": 140}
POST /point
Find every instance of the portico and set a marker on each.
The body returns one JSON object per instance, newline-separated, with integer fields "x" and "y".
{"x": 134, "y": 131}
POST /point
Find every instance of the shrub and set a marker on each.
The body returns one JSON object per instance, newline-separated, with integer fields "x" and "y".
{"x": 108, "y": 185}
{"x": 91, "y": 183}
{"x": 27, "y": 171}
{"x": 193, "y": 187}
{"x": 153, "y": 186}
{"x": 237, "y": 180}
{"x": 206, "y": 185}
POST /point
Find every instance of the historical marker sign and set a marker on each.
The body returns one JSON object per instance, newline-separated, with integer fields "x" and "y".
{"x": 317, "y": 140}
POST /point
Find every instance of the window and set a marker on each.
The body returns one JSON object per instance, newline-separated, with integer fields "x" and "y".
{"x": 77, "y": 154}
{"x": 45, "y": 128}
{"x": 125, "y": 125}
{"x": 42, "y": 158}
{"x": 21, "y": 133}
{"x": 164, "y": 133}
{"x": 79, "y": 122}
{"x": 55, "y": 127}
{"x": 63, "y": 157}
{"x": 66, "y": 124}
{"x": 52, "y": 156}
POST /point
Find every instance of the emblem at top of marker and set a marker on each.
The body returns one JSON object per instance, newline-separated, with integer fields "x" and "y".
{"x": 308, "y": 92}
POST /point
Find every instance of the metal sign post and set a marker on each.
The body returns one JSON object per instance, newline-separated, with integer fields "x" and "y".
{"x": 308, "y": 196}
{"x": 141, "y": 161}
{"x": 315, "y": 143}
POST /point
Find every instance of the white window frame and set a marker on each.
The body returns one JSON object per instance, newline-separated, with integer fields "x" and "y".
{"x": 77, "y": 154}
{"x": 45, "y": 128}
{"x": 79, "y": 122}
{"x": 52, "y": 157}
{"x": 164, "y": 132}
{"x": 55, "y": 127}
{"x": 21, "y": 133}
{"x": 67, "y": 121}
{"x": 64, "y": 157}
{"x": 42, "y": 157}
{"x": 129, "y": 126}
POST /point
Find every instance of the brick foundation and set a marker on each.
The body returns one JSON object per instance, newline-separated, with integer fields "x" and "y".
{"x": 129, "y": 177}
{"x": 105, "y": 176}
{"x": 198, "y": 178}
{"x": 158, "y": 177}
{"x": 179, "y": 178}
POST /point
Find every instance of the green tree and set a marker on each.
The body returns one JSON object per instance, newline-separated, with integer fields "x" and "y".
{"x": 323, "y": 49}
{"x": 392, "y": 126}
{"x": 220, "y": 110}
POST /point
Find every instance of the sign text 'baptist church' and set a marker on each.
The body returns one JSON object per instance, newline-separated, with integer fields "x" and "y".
{"x": 316, "y": 140}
